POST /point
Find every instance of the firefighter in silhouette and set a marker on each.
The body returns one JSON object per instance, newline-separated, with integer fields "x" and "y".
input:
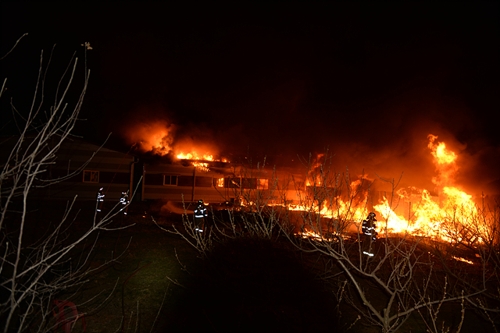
{"x": 200, "y": 212}
{"x": 369, "y": 234}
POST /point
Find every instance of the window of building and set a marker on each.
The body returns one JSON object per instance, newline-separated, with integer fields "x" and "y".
{"x": 232, "y": 182}
{"x": 153, "y": 179}
{"x": 249, "y": 183}
{"x": 203, "y": 181}
{"x": 262, "y": 184}
{"x": 169, "y": 180}
{"x": 219, "y": 182}
{"x": 90, "y": 176}
{"x": 185, "y": 181}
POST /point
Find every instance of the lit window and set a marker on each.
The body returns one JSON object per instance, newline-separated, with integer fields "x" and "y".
{"x": 90, "y": 176}
{"x": 219, "y": 182}
{"x": 169, "y": 180}
{"x": 262, "y": 184}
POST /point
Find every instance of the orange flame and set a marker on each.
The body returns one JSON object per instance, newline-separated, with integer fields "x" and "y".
{"x": 201, "y": 166}
{"x": 444, "y": 160}
{"x": 439, "y": 151}
{"x": 195, "y": 156}
{"x": 451, "y": 215}
{"x": 314, "y": 177}
{"x": 155, "y": 136}
{"x": 198, "y": 159}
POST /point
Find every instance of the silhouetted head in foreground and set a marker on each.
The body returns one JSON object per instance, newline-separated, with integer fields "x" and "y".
{"x": 252, "y": 285}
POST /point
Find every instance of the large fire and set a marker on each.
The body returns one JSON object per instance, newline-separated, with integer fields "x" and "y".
{"x": 199, "y": 161}
{"x": 156, "y": 137}
{"x": 451, "y": 215}
{"x": 195, "y": 156}
{"x": 159, "y": 137}
{"x": 445, "y": 212}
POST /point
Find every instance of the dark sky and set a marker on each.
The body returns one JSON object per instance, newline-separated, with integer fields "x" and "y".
{"x": 365, "y": 80}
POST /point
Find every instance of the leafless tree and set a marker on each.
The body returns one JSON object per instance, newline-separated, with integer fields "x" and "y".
{"x": 471, "y": 257}
{"x": 407, "y": 274}
{"x": 257, "y": 213}
{"x": 33, "y": 272}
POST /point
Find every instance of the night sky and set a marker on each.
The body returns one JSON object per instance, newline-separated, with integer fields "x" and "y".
{"x": 366, "y": 81}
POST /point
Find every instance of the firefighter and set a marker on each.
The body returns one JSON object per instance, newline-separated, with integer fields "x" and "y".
{"x": 370, "y": 235}
{"x": 200, "y": 212}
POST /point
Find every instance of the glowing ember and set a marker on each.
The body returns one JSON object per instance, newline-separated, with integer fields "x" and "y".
{"x": 470, "y": 262}
{"x": 308, "y": 234}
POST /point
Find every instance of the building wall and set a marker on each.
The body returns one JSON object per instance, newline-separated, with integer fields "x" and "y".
{"x": 94, "y": 168}
{"x": 177, "y": 182}
{"x": 78, "y": 169}
{"x": 184, "y": 182}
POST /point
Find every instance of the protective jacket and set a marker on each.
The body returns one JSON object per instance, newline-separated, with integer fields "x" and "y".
{"x": 200, "y": 211}
{"x": 369, "y": 225}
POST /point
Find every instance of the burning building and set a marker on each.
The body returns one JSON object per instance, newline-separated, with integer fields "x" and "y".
{"x": 214, "y": 182}
{"x": 427, "y": 203}
{"x": 188, "y": 167}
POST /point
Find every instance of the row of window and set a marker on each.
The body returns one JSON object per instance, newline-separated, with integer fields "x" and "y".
{"x": 92, "y": 176}
{"x": 200, "y": 181}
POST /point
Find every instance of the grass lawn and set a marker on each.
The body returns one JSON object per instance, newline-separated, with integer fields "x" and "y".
{"x": 132, "y": 292}
{"x": 244, "y": 286}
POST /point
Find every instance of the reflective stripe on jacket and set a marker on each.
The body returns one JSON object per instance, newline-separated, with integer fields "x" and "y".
{"x": 200, "y": 212}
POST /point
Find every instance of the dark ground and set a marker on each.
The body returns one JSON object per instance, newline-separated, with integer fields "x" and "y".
{"x": 244, "y": 286}
{"x": 155, "y": 282}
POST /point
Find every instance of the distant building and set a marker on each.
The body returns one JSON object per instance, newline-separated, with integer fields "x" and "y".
{"x": 79, "y": 169}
